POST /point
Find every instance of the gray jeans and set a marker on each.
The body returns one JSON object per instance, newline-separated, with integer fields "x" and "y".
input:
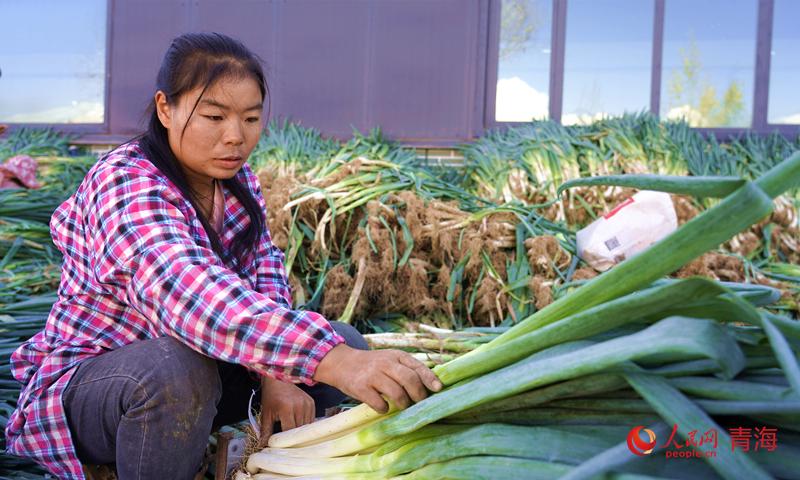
{"x": 149, "y": 407}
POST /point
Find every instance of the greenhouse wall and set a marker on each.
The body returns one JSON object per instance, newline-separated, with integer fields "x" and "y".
{"x": 430, "y": 73}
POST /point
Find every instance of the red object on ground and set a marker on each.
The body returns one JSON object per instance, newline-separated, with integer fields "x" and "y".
{"x": 19, "y": 171}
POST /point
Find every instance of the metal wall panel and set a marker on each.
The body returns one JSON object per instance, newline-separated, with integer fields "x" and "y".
{"x": 250, "y": 21}
{"x": 320, "y": 70}
{"x": 762, "y": 70}
{"x": 416, "y": 68}
{"x": 247, "y": 20}
{"x": 422, "y": 68}
{"x": 140, "y": 34}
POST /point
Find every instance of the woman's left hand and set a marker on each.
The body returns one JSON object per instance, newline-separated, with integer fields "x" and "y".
{"x": 283, "y": 402}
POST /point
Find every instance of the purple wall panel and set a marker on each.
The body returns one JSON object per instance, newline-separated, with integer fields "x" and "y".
{"x": 422, "y": 68}
{"x": 766, "y": 13}
{"x": 492, "y": 58}
{"x": 411, "y": 67}
{"x": 319, "y": 75}
{"x": 141, "y": 31}
{"x": 247, "y": 20}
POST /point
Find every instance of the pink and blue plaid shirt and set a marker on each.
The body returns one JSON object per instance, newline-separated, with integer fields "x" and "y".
{"x": 139, "y": 265}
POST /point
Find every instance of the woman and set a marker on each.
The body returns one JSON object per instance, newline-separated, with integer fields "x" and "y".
{"x": 173, "y": 300}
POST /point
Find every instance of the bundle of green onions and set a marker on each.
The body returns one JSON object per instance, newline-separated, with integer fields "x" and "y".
{"x": 432, "y": 345}
{"x": 531, "y": 160}
{"x": 387, "y": 231}
{"x": 526, "y": 163}
{"x": 462, "y": 256}
{"x": 618, "y": 349}
{"x": 34, "y": 142}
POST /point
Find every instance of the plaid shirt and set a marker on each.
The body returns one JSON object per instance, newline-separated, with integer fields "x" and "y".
{"x": 139, "y": 265}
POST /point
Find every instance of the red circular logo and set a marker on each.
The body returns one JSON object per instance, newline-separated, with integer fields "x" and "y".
{"x": 638, "y": 446}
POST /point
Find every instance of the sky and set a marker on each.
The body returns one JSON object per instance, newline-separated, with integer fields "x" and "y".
{"x": 609, "y": 50}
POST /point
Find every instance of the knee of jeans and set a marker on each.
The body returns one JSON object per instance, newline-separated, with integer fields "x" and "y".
{"x": 186, "y": 377}
{"x": 351, "y": 336}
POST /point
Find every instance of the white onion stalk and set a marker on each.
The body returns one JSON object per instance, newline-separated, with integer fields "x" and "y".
{"x": 313, "y": 432}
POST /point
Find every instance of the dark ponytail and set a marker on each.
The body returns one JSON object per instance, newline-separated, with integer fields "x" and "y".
{"x": 194, "y": 60}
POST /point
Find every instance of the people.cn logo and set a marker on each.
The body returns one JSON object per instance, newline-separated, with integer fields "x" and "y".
{"x": 639, "y": 446}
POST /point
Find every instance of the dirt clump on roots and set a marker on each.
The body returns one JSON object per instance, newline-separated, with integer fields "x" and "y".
{"x": 441, "y": 286}
{"x": 545, "y": 255}
{"x": 744, "y": 244}
{"x": 542, "y": 292}
{"x": 412, "y": 290}
{"x": 716, "y": 266}
{"x": 695, "y": 268}
{"x": 490, "y": 302}
{"x": 378, "y": 261}
{"x": 726, "y": 267}
{"x": 787, "y": 241}
{"x": 277, "y": 191}
{"x": 782, "y": 228}
{"x": 685, "y": 208}
{"x": 784, "y": 213}
{"x": 338, "y": 285}
{"x": 584, "y": 273}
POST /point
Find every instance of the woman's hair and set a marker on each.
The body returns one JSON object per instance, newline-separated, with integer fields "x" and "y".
{"x": 199, "y": 60}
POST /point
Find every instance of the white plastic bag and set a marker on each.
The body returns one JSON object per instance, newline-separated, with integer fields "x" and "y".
{"x": 629, "y": 228}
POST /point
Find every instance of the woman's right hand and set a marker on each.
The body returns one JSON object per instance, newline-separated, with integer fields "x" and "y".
{"x": 371, "y": 375}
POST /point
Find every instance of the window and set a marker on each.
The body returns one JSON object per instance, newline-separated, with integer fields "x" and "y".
{"x": 607, "y": 63}
{"x": 784, "y": 77}
{"x": 52, "y": 61}
{"x": 709, "y": 62}
{"x": 523, "y": 74}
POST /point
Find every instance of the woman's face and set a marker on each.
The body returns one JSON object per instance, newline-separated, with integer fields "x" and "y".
{"x": 221, "y": 133}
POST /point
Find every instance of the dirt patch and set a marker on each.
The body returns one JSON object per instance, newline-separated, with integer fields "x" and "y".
{"x": 716, "y": 266}
{"x": 338, "y": 285}
{"x": 685, "y": 208}
{"x": 545, "y": 254}
{"x": 744, "y": 244}
{"x": 542, "y": 292}
{"x": 584, "y": 273}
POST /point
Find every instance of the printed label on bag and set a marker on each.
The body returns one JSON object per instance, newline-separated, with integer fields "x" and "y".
{"x": 618, "y": 208}
{"x": 612, "y": 243}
